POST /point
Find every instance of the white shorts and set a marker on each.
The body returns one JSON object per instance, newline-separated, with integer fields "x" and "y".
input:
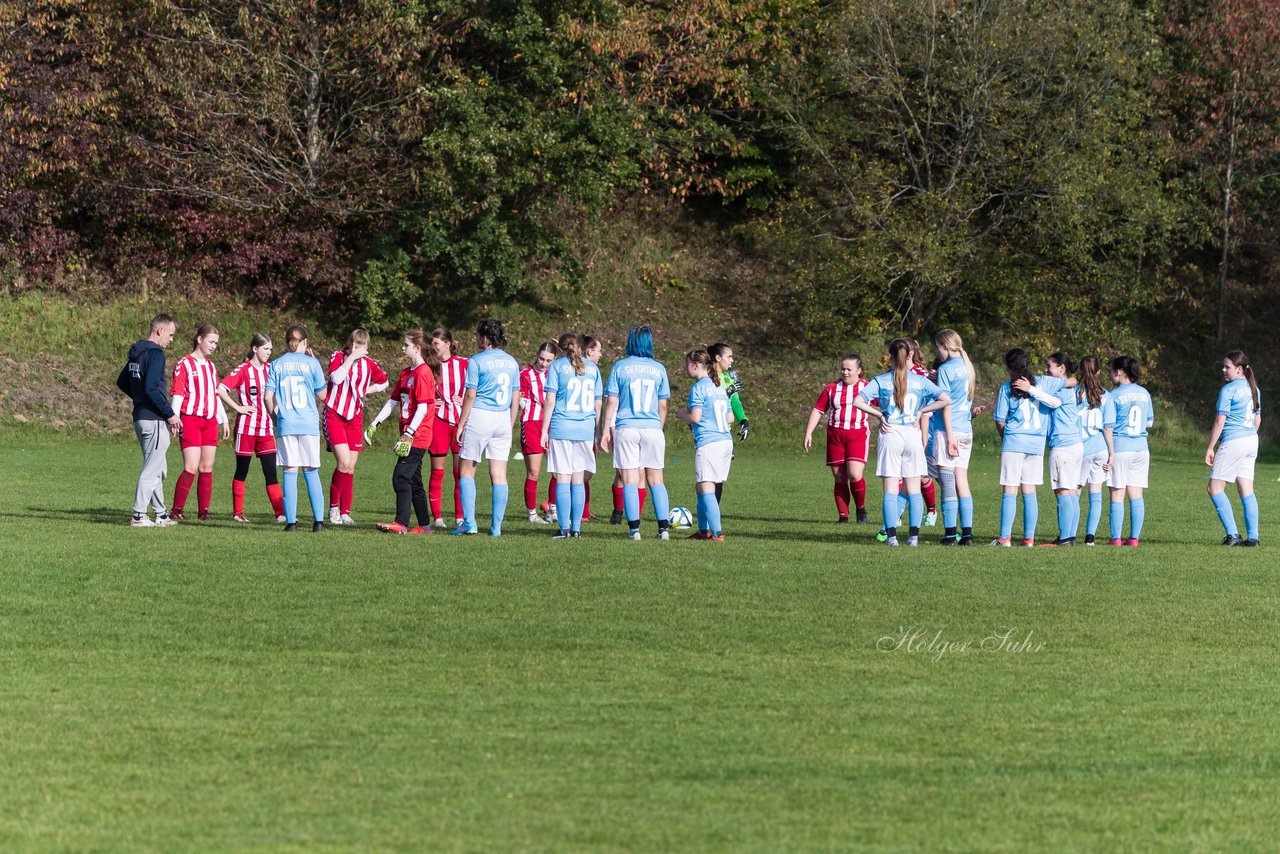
{"x": 711, "y": 462}
{"x": 941, "y": 459}
{"x": 1235, "y": 459}
{"x": 901, "y": 453}
{"x": 1064, "y": 466}
{"x": 1091, "y": 467}
{"x": 299, "y": 451}
{"x": 1018, "y": 468}
{"x": 1129, "y": 469}
{"x": 639, "y": 448}
{"x": 569, "y": 456}
{"x": 487, "y": 433}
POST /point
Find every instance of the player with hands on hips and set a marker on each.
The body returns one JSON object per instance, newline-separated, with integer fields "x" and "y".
{"x": 255, "y": 430}
{"x": 1233, "y": 447}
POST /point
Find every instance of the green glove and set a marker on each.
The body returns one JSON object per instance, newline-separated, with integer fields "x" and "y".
{"x": 369, "y": 431}
{"x": 406, "y": 442}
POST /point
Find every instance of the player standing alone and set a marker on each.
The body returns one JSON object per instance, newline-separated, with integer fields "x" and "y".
{"x": 352, "y": 375}
{"x": 195, "y": 398}
{"x": 489, "y": 411}
{"x": 255, "y": 433}
{"x": 533, "y": 414}
{"x": 1236, "y": 428}
{"x": 848, "y": 437}
{"x": 294, "y": 384}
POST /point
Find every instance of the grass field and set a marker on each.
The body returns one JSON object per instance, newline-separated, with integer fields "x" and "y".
{"x": 213, "y": 686}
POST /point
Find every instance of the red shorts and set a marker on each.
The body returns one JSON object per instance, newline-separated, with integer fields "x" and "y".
{"x": 444, "y": 439}
{"x": 531, "y": 438}
{"x": 248, "y": 445}
{"x": 847, "y": 446}
{"x": 198, "y": 432}
{"x": 340, "y": 431}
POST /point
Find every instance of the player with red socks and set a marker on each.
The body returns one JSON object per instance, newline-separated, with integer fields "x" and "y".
{"x": 255, "y": 430}
{"x": 533, "y": 380}
{"x": 195, "y": 399}
{"x": 352, "y": 375}
{"x": 848, "y": 437}
{"x": 444, "y": 439}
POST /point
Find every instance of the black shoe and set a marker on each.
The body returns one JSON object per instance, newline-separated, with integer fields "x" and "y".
{"x": 1089, "y": 539}
{"x": 1233, "y": 540}
{"x": 862, "y": 517}
{"x": 843, "y": 520}
{"x": 317, "y": 527}
{"x": 949, "y": 541}
{"x": 291, "y": 527}
{"x": 615, "y": 518}
{"x": 1249, "y": 544}
{"x": 966, "y": 540}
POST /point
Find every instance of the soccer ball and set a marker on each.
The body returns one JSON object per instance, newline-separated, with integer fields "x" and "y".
{"x": 681, "y": 517}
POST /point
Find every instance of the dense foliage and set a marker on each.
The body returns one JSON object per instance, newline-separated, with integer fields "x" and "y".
{"x": 1068, "y": 168}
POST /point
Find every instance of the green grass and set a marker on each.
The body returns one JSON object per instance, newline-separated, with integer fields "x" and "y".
{"x": 213, "y": 686}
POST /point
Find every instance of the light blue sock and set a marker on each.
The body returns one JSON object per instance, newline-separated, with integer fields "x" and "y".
{"x": 1064, "y": 516}
{"x": 1008, "y": 508}
{"x": 713, "y": 514}
{"x": 916, "y": 502}
{"x": 1075, "y": 515}
{"x": 631, "y": 502}
{"x": 1116, "y": 519}
{"x": 289, "y": 488}
{"x": 1030, "y": 515}
{"x": 1137, "y": 512}
{"x": 1250, "y": 503}
{"x": 966, "y": 512}
{"x": 577, "y": 501}
{"x": 889, "y": 511}
{"x": 315, "y": 492}
{"x": 498, "y": 502}
{"x": 1095, "y": 514}
{"x": 661, "y": 501}
{"x": 564, "y": 504}
{"x": 467, "y": 487}
{"x": 702, "y": 510}
{"x": 950, "y": 510}
{"x": 1225, "y": 514}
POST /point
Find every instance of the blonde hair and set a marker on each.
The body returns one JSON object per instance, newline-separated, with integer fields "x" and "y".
{"x": 950, "y": 339}
{"x": 900, "y": 360}
{"x": 569, "y": 345}
{"x": 360, "y": 336}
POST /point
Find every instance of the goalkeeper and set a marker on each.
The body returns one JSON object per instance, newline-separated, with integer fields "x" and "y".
{"x": 415, "y": 394}
{"x": 722, "y": 361}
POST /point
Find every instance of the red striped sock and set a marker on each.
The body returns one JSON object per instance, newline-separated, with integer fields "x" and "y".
{"x": 182, "y": 490}
{"x": 204, "y": 491}
{"x": 437, "y": 486}
{"x": 237, "y": 497}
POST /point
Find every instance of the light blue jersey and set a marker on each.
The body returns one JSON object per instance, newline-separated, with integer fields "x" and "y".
{"x": 714, "y": 403}
{"x": 295, "y": 379}
{"x": 1236, "y": 402}
{"x": 920, "y": 393}
{"x": 1025, "y": 419}
{"x": 1129, "y": 413}
{"x": 1091, "y": 423}
{"x": 953, "y": 378}
{"x": 574, "y": 415}
{"x": 495, "y": 376}
{"x": 638, "y": 384}
{"x": 1064, "y": 422}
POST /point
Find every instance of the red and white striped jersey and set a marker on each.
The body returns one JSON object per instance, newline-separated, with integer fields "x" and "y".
{"x": 453, "y": 378}
{"x": 347, "y": 397}
{"x": 836, "y": 402}
{"x": 251, "y": 382}
{"x": 532, "y": 386}
{"x": 197, "y": 381}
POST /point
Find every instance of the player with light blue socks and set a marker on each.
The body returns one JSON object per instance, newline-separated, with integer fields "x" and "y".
{"x": 1233, "y": 448}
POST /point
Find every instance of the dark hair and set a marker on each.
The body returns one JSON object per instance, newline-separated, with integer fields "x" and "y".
{"x": 295, "y": 335}
{"x": 491, "y": 331}
{"x": 586, "y": 342}
{"x": 258, "y": 339}
{"x": 548, "y": 346}
{"x": 716, "y": 350}
{"x": 161, "y": 320}
{"x": 447, "y": 336}
{"x": 203, "y": 330}
{"x": 1062, "y": 359}
{"x": 1240, "y": 360}
{"x": 640, "y": 342}
{"x": 1018, "y": 364}
{"x": 1128, "y": 364}
{"x": 1090, "y": 373}
{"x": 855, "y": 357}
{"x": 917, "y": 357}
{"x": 702, "y": 357}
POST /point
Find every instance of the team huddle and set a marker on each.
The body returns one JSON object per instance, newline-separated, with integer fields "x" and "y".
{"x": 1095, "y": 439}
{"x": 448, "y": 406}
{"x": 468, "y": 409}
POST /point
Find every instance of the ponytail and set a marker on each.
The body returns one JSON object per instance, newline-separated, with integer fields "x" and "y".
{"x": 701, "y": 357}
{"x": 1063, "y": 360}
{"x": 294, "y": 337}
{"x": 900, "y": 360}
{"x": 569, "y": 346}
{"x": 1128, "y": 364}
{"x": 1090, "y": 372}
{"x": 1240, "y": 360}
{"x": 950, "y": 339}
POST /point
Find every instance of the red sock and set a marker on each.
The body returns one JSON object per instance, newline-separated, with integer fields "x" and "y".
{"x": 929, "y": 493}
{"x": 842, "y": 498}
{"x": 276, "y": 496}
{"x": 586, "y": 506}
{"x": 643, "y": 493}
{"x": 437, "y": 487}
{"x": 617, "y": 498}
{"x": 530, "y": 494}
{"x": 551, "y": 492}
{"x": 457, "y": 495}
{"x": 204, "y": 491}
{"x": 335, "y": 488}
{"x": 182, "y": 490}
{"x": 860, "y": 493}
{"x": 237, "y": 497}
{"x": 348, "y": 494}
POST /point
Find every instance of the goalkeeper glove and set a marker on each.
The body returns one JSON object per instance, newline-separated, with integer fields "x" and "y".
{"x": 369, "y": 431}
{"x": 735, "y": 386}
{"x": 744, "y": 430}
{"x": 406, "y": 442}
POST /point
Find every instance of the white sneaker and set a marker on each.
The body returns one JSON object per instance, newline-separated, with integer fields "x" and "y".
{"x": 913, "y": 541}
{"x": 142, "y": 522}
{"x": 441, "y": 523}
{"x": 1001, "y": 543}
{"x": 664, "y": 534}
{"x": 891, "y": 541}
{"x": 931, "y": 518}
{"x": 166, "y": 521}
{"x": 280, "y": 520}
{"x": 535, "y": 519}
{"x": 635, "y": 535}
{"x": 346, "y": 519}
{"x": 335, "y": 516}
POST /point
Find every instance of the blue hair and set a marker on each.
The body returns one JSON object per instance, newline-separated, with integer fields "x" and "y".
{"x": 640, "y": 342}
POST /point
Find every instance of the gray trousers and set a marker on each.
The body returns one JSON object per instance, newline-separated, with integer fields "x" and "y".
{"x": 153, "y": 436}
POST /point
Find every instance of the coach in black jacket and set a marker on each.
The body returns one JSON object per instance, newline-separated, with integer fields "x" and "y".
{"x": 144, "y": 380}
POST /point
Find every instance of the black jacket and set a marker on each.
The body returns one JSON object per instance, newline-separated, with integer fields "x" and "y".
{"x": 143, "y": 379}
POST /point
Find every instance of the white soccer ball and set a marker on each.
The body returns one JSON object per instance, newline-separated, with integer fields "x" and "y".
{"x": 681, "y": 517}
